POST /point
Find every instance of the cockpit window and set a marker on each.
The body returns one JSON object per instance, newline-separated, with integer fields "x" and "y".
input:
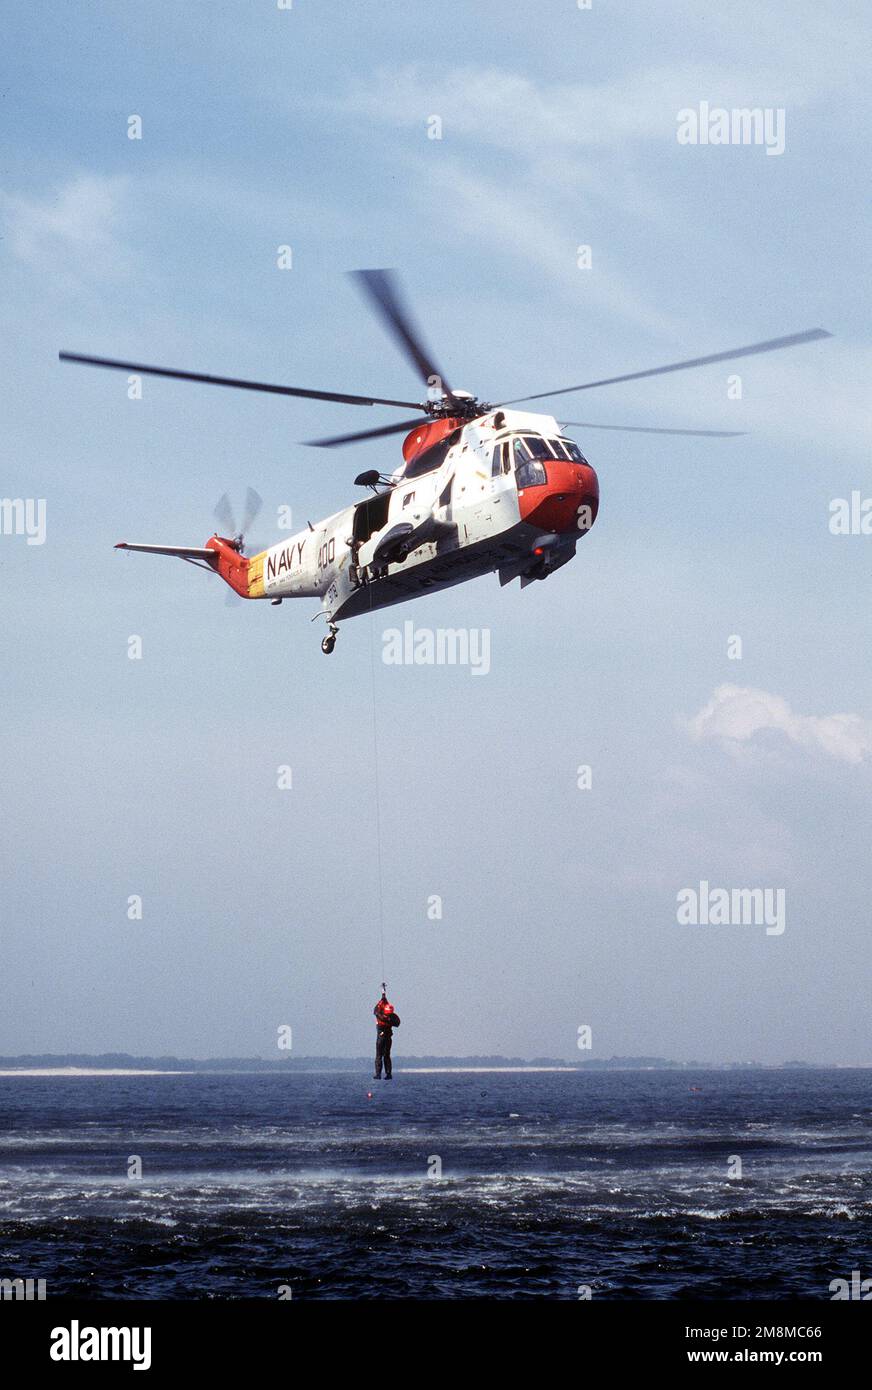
{"x": 529, "y": 472}
{"x": 538, "y": 447}
{"x": 573, "y": 451}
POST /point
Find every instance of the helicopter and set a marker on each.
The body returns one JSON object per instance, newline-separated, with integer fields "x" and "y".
{"x": 482, "y": 487}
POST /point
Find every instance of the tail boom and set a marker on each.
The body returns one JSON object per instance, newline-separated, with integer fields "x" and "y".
{"x": 242, "y": 573}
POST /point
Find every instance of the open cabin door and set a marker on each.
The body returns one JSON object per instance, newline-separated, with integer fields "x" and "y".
{"x": 370, "y": 516}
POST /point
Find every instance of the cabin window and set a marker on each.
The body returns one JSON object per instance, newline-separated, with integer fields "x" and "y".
{"x": 431, "y": 459}
{"x": 497, "y": 461}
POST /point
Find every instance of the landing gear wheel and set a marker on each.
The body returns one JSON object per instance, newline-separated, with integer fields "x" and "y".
{"x": 327, "y": 645}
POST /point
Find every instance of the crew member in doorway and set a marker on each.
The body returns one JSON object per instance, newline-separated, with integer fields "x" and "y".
{"x": 386, "y": 1020}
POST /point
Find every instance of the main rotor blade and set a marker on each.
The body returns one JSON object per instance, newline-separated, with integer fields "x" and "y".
{"x": 138, "y": 367}
{"x": 382, "y": 287}
{"x": 811, "y": 335}
{"x": 648, "y": 429}
{"x": 336, "y": 439}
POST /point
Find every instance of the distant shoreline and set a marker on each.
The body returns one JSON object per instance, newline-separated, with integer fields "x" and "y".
{"x": 123, "y": 1065}
{"x": 252, "y": 1070}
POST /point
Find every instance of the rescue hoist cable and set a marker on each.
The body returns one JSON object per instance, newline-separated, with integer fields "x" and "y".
{"x": 381, "y": 913}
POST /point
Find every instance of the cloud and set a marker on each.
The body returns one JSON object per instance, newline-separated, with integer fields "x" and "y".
{"x": 72, "y": 230}
{"x": 736, "y": 713}
{"x": 510, "y": 112}
{"x": 529, "y": 231}
{"x": 539, "y": 166}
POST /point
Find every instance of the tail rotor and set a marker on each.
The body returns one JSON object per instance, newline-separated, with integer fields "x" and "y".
{"x": 225, "y": 517}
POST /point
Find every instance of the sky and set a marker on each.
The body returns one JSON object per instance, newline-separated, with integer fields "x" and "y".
{"x": 739, "y": 764}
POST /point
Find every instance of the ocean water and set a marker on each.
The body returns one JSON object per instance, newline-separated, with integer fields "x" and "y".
{"x": 618, "y": 1181}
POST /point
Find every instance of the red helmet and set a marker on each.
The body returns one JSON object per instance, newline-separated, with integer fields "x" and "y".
{"x": 387, "y": 1008}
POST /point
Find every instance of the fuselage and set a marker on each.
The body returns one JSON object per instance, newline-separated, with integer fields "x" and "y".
{"x": 505, "y": 492}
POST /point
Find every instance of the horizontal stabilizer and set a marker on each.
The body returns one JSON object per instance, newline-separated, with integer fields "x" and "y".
{"x": 183, "y": 552}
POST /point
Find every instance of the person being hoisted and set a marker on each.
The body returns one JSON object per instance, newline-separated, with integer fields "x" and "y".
{"x": 386, "y": 1020}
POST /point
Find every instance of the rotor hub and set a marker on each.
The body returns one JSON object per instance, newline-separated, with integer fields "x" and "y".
{"x": 458, "y": 405}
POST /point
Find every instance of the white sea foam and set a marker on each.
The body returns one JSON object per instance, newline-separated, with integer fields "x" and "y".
{"x": 89, "y": 1071}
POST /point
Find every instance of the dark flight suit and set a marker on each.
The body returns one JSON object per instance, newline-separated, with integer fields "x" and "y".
{"x": 385, "y": 1023}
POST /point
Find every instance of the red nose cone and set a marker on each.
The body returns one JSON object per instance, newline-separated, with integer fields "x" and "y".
{"x": 567, "y": 501}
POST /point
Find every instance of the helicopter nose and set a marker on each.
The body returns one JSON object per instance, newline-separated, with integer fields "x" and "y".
{"x": 567, "y": 501}
{"x": 588, "y": 496}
